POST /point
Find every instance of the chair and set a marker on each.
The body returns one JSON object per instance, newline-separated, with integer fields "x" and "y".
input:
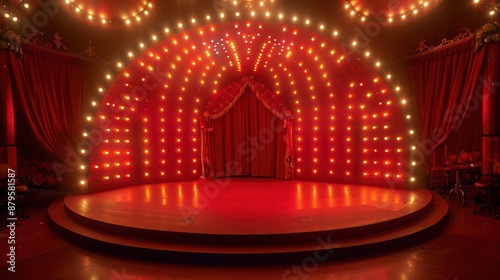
{"x": 469, "y": 177}
{"x": 442, "y": 173}
{"x": 452, "y": 159}
{"x": 489, "y": 183}
{"x": 438, "y": 178}
{"x": 463, "y": 158}
{"x": 475, "y": 157}
{"x": 20, "y": 190}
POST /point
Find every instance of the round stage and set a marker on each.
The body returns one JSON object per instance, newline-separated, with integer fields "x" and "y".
{"x": 243, "y": 216}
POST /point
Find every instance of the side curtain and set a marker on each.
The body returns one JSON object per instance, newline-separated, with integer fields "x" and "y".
{"x": 7, "y": 114}
{"x": 446, "y": 87}
{"x": 51, "y": 88}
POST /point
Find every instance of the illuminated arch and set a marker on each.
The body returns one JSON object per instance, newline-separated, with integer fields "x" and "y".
{"x": 349, "y": 124}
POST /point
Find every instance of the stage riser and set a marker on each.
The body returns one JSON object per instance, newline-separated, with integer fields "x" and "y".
{"x": 243, "y": 239}
{"x": 392, "y": 239}
{"x": 260, "y": 219}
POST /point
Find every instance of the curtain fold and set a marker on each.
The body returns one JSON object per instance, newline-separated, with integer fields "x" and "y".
{"x": 52, "y": 87}
{"x": 7, "y": 114}
{"x": 247, "y": 140}
{"x": 248, "y": 136}
{"x": 445, "y": 86}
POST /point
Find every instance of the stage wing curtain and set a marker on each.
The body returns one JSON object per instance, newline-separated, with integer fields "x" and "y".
{"x": 446, "y": 86}
{"x": 51, "y": 87}
{"x": 248, "y": 135}
{"x": 7, "y": 114}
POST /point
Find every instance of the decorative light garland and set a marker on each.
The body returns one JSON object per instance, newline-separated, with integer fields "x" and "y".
{"x": 494, "y": 9}
{"x": 14, "y": 14}
{"x": 249, "y": 4}
{"x": 280, "y": 17}
{"x": 79, "y": 9}
{"x": 401, "y": 16}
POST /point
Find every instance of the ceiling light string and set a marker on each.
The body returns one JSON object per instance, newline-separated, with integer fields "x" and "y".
{"x": 493, "y": 6}
{"x": 13, "y": 14}
{"x": 78, "y": 8}
{"x": 389, "y": 18}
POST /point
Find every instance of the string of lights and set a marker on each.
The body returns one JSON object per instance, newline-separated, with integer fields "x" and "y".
{"x": 14, "y": 13}
{"x": 493, "y": 6}
{"x": 356, "y": 11}
{"x": 191, "y": 64}
{"x": 87, "y": 12}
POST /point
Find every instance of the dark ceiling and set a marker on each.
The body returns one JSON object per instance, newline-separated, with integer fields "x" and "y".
{"x": 443, "y": 19}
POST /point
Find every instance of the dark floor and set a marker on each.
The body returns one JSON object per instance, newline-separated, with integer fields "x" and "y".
{"x": 467, "y": 247}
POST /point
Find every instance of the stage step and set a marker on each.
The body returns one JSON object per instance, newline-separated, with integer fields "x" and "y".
{"x": 139, "y": 245}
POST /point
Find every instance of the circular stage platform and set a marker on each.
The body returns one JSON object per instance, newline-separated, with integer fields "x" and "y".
{"x": 247, "y": 216}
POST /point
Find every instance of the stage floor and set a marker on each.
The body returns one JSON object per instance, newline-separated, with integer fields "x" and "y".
{"x": 249, "y": 206}
{"x": 247, "y": 215}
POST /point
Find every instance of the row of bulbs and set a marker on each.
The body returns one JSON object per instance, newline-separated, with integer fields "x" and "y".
{"x": 12, "y": 14}
{"x": 280, "y": 16}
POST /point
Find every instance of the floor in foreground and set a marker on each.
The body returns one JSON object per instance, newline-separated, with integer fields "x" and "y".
{"x": 467, "y": 247}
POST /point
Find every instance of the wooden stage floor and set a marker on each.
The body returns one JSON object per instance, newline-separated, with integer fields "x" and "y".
{"x": 247, "y": 216}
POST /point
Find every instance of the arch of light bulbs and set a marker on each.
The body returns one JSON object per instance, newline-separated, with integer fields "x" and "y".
{"x": 90, "y": 117}
{"x": 86, "y": 12}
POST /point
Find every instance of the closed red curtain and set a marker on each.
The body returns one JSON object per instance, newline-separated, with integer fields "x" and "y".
{"x": 51, "y": 87}
{"x": 446, "y": 86}
{"x": 248, "y": 140}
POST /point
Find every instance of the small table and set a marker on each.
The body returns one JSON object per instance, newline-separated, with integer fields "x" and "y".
{"x": 458, "y": 169}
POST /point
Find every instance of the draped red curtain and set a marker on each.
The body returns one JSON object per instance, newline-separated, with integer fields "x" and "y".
{"x": 51, "y": 87}
{"x": 446, "y": 86}
{"x": 248, "y": 140}
{"x": 248, "y": 136}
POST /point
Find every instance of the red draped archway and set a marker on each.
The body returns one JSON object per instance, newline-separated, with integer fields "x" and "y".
{"x": 246, "y": 130}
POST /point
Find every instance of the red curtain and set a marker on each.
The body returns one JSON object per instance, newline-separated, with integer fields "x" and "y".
{"x": 247, "y": 140}
{"x": 51, "y": 87}
{"x": 7, "y": 122}
{"x": 446, "y": 86}
{"x": 246, "y": 133}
